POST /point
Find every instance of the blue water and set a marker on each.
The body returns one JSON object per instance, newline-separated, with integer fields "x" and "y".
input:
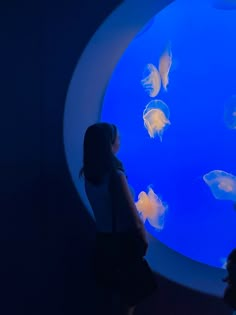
{"x": 201, "y": 80}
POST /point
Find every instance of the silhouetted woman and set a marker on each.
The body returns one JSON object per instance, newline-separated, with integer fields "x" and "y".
{"x": 121, "y": 270}
{"x": 230, "y": 290}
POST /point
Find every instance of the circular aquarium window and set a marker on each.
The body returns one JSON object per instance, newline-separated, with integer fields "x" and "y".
{"x": 170, "y": 89}
{"x": 172, "y": 95}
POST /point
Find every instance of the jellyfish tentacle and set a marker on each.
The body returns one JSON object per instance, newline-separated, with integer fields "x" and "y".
{"x": 152, "y": 208}
{"x": 151, "y": 81}
{"x": 165, "y": 63}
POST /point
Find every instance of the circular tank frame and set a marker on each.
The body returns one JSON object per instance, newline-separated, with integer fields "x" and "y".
{"x": 83, "y": 107}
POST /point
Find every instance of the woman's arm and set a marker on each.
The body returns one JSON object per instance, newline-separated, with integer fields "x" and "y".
{"x": 122, "y": 199}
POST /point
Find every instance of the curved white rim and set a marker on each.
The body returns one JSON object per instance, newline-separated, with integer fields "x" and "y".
{"x": 83, "y": 106}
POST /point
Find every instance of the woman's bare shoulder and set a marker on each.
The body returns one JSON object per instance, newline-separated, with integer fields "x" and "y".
{"x": 119, "y": 186}
{"x": 120, "y": 174}
{"x": 119, "y": 178}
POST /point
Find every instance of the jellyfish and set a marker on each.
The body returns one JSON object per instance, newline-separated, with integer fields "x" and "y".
{"x": 152, "y": 80}
{"x": 222, "y": 185}
{"x": 151, "y": 208}
{"x": 156, "y": 118}
{"x": 165, "y": 63}
{"x": 224, "y": 4}
{"x": 230, "y": 113}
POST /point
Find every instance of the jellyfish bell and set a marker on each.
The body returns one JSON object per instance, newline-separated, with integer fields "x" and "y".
{"x": 165, "y": 63}
{"x": 230, "y": 113}
{"x": 143, "y": 205}
{"x": 155, "y": 122}
{"x": 221, "y": 184}
{"x": 226, "y": 185}
{"x": 156, "y": 219}
{"x": 156, "y": 118}
{"x": 151, "y": 81}
{"x": 152, "y": 208}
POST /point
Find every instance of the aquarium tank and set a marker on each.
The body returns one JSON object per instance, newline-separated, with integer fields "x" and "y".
{"x": 173, "y": 97}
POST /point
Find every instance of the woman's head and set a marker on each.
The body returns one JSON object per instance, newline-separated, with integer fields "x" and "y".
{"x": 231, "y": 267}
{"x": 115, "y": 139}
{"x": 101, "y": 143}
{"x": 231, "y": 261}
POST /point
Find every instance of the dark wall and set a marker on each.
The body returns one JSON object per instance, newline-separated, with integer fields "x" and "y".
{"x": 20, "y": 156}
{"x": 47, "y": 235}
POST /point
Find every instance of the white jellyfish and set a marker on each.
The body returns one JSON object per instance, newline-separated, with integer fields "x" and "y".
{"x": 152, "y": 208}
{"x": 151, "y": 81}
{"x": 156, "y": 118}
{"x": 230, "y": 113}
{"x": 165, "y": 63}
{"x": 222, "y": 184}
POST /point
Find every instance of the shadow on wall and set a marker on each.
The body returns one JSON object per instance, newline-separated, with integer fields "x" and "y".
{"x": 67, "y": 285}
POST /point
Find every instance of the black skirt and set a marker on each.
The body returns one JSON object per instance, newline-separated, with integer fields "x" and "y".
{"x": 230, "y": 296}
{"x": 120, "y": 268}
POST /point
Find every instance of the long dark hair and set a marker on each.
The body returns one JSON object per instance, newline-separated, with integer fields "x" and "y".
{"x": 98, "y": 158}
{"x": 232, "y": 256}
